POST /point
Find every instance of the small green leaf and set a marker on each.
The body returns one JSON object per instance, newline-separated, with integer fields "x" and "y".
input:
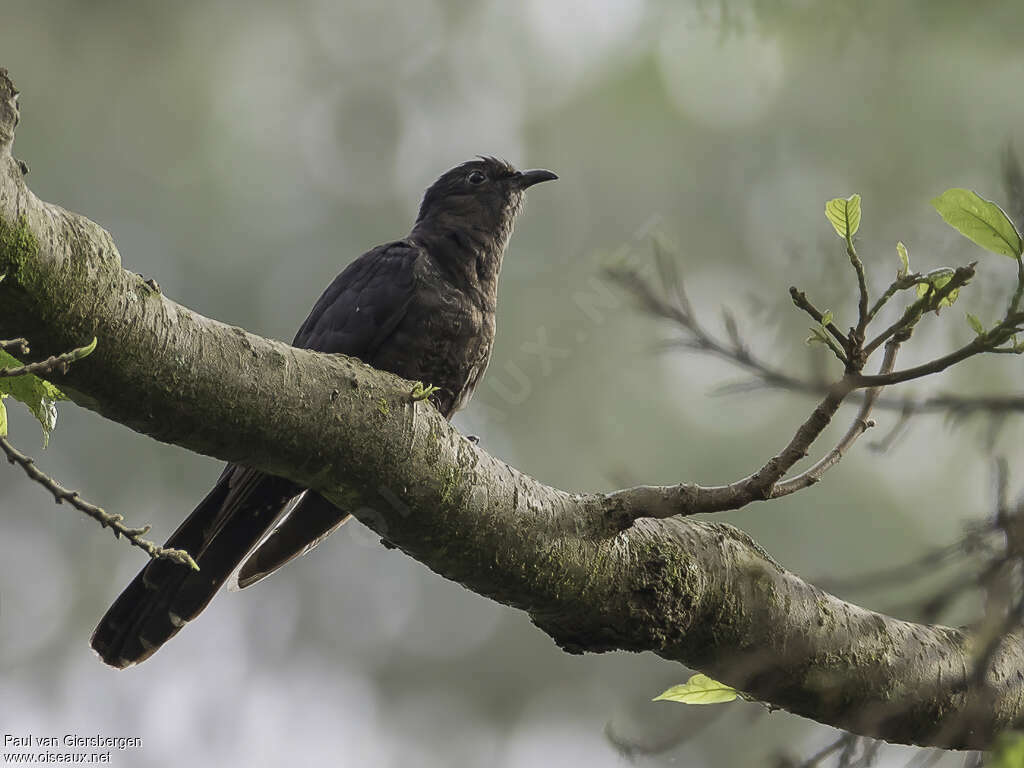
{"x": 827, "y": 317}
{"x": 904, "y": 270}
{"x": 816, "y": 337}
{"x": 937, "y": 279}
{"x": 699, "y": 689}
{"x": 980, "y": 220}
{"x": 3, "y": 417}
{"x": 39, "y": 396}
{"x": 844, "y": 213}
{"x": 939, "y": 276}
{"x": 975, "y": 323}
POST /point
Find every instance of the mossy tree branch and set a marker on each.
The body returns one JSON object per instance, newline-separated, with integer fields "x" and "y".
{"x": 596, "y": 572}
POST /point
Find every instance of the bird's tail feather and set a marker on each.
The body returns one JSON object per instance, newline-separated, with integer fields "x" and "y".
{"x": 308, "y": 522}
{"x": 219, "y": 533}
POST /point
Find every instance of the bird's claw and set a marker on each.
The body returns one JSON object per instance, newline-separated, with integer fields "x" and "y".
{"x": 420, "y": 392}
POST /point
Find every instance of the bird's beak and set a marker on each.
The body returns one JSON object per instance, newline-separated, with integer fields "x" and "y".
{"x": 529, "y": 178}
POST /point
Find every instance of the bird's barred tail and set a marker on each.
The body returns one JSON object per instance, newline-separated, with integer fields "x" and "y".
{"x": 165, "y": 595}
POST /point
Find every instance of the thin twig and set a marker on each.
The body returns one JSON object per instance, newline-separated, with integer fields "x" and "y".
{"x": 929, "y": 302}
{"x": 860, "y": 425}
{"x": 51, "y": 364}
{"x": 974, "y": 347}
{"x": 1015, "y": 302}
{"x": 688, "y": 499}
{"x": 802, "y": 302}
{"x": 767, "y": 376}
{"x": 899, "y": 284}
{"x": 863, "y": 318}
{"x": 692, "y": 499}
{"x": 105, "y": 519}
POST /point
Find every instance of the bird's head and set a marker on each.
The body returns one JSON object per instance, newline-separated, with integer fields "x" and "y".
{"x": 479, "y": 198}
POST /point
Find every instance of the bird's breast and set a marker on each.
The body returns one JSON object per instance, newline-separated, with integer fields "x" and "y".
{"x": 444, "y": 339}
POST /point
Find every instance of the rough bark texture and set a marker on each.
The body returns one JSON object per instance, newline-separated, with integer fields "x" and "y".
{"x": 590, "y": 576}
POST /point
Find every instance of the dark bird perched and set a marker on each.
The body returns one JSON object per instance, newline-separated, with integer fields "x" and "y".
{"x": 421, "y": 307}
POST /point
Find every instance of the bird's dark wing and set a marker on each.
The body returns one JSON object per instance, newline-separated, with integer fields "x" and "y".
{"x": 354, "y": 316}
{"x": 360, "y": 309}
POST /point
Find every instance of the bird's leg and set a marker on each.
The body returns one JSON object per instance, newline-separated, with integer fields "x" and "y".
{"x": 420, "y": 392}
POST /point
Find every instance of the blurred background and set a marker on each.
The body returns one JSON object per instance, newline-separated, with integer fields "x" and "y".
{"x": 243, "y": 153}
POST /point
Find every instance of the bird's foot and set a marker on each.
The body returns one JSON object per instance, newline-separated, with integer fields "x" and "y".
{"x": 420, "y": 392}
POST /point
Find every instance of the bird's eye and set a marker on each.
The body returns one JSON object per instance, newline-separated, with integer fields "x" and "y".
{"x": 476, "y": 177}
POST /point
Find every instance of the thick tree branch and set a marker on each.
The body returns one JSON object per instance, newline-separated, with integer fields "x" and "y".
{"x": 700, "y": 593}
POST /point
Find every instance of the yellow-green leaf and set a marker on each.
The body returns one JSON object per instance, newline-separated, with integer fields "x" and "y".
{"x": 904, "y": 270}
{"x": 844, "y": 213}
{"x": 937, "y": 279}
{"x": 38, "y": 395}
{"x": 975, "y": 323}
{"x": 949, "y": 299}
{"x": 980, "y": 220}
{"x": 699, "y": 689}
{"x": 816, "y": 337}
{"x": 3, "y": 417}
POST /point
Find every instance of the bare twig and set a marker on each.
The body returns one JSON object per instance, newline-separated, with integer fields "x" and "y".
{"x": 767, "y": 376}
{"x": 863, "y": 318}
{"x": 801, "y": 301}
{"x": 1015, "y": 302}
{"x": 106, "y": 519}
{"x": 692, "y": 499}
{"x": 899, "y": 284}
{"x": 687, "y": 499}
{"x": 56, "y": 363}
{"x": 974, "y": 347}
{"x": 860, "y": 425}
